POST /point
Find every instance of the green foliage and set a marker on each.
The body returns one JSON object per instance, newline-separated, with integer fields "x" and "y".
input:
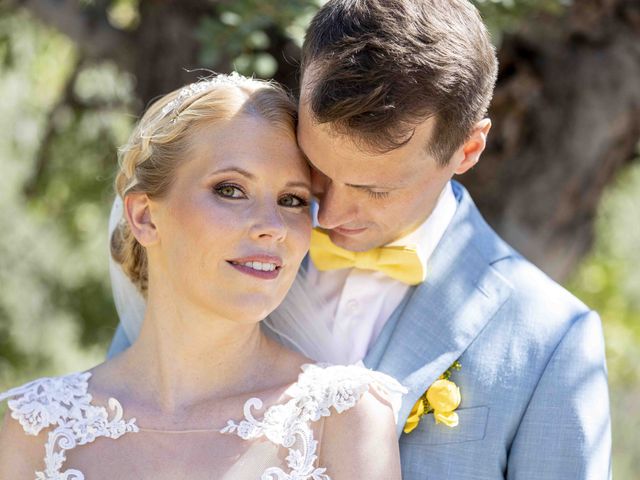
{"x": 503, "y": 16}
{"x": 124, "y": 14}
{"x": 239, "y": 32}
{"x": 609, "y": 279}
{"x": 609, "y": 282}
{"x": 56, "y": 313}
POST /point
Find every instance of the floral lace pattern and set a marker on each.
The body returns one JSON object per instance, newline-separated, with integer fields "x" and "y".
{"x": 318, "y": 389}
{"x": 63, "y": 402}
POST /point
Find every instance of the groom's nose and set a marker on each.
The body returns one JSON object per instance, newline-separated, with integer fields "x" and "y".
{"x": 336, "y": 206}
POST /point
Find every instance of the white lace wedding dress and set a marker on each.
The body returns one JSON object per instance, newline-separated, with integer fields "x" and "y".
{"x": 63, "y": 406}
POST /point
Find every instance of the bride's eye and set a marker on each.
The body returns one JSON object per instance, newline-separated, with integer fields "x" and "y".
{"x": 228, "y": 190}
{"x": 292, "y": 201}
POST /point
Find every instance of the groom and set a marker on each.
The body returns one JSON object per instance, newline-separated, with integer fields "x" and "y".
{"x": 392, "y": 106}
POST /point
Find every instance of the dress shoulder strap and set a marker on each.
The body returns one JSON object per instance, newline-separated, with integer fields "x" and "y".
{"x": 319, "y": 389}
{"x": 64, "y": 405}
{"x": 342, "y": 386}
{"x": 47, "y": 401}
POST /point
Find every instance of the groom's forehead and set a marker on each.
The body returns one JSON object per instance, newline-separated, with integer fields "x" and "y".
{"x": 338, "y": 157}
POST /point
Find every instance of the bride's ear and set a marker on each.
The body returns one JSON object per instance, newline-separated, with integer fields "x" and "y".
{"x": 138, "y": 213}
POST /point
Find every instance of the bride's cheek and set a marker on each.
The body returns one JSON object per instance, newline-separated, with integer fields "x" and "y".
{"x": 301, "y": 230}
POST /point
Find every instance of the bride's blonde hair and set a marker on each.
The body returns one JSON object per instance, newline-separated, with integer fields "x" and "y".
{"x": 160, "y": 141}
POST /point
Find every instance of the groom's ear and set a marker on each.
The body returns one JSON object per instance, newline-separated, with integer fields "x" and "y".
{"x": 469, "y": 153}
{"x": 138, "y": 212}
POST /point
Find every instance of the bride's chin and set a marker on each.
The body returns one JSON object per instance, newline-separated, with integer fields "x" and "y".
{"x": 248, "y": 311}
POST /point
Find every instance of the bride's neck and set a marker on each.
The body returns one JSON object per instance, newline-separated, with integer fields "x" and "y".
{"x": 187, "y": 356}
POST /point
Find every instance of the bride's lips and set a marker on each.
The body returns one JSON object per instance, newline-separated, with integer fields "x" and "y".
{"x": 266, "y": 267}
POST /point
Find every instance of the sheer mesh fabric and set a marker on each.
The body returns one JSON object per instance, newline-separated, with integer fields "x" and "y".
{"x": 94, "y": 440}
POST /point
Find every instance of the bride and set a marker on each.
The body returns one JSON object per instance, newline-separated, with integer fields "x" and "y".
{"x": 215, "y": 225}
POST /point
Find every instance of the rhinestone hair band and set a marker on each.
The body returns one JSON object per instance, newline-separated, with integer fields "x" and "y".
{"x": 196, "y": 88}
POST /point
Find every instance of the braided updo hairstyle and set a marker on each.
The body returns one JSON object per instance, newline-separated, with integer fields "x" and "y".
{"x": 160, "y": 142}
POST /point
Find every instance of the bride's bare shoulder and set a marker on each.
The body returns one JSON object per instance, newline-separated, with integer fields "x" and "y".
{"x": 361, "y": 442}
{"x": 358, "y": 437}
{"x": 22, "y": 437}
{"x": 21, "y": 455}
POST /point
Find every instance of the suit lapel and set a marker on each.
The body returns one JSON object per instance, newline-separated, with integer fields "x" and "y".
{"x": 442, "y": 316}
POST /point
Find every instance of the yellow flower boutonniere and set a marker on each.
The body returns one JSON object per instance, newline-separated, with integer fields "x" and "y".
{"x": 441, "y": 398}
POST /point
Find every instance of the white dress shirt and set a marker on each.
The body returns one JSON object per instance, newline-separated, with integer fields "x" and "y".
{"x": 358, "y": 302}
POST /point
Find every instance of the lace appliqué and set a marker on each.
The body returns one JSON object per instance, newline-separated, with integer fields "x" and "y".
{"x": 318, "y": 389}
{"x": 64, "y": 402}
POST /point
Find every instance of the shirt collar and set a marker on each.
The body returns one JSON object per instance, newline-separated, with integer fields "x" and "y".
{"x": 426, "y": 237}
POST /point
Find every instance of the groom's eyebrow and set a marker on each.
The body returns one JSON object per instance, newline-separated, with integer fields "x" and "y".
{"x": 352, "y": 185}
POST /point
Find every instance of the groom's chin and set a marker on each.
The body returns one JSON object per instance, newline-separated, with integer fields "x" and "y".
{"x": 356, "y": 243}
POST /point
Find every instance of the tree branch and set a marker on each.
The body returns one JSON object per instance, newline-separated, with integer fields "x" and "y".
{"x": 86, "y": 24}
{"x": 566, "y": 120}
{"x": 43, "y": 154}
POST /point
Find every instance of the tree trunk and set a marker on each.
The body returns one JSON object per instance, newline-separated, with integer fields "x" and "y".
{"x": 566, "y": 119}
{"x": 166, "y": 47}
{"x": 566, "y": 112}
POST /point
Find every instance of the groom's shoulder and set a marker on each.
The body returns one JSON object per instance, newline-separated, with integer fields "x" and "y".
{"x": 540, "y": 311}
{"x": 539, "y": 319}
{"x": 534, "y": 288}
{"x": 530, "y": 286}
{"x": 536, "y": 301}
{"x": 537, "y": 309}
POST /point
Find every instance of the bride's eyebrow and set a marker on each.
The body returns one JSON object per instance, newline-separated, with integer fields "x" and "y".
{"x": 239, "y": 170}
{"x": 251, "y": 176}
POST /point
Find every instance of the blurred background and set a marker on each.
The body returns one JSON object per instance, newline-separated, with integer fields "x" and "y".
{"x": 560, "y": 179}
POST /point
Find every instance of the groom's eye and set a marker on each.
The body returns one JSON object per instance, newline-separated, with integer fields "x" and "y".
{"x": 228, "y": 190}
{"x": 376, "y": 195}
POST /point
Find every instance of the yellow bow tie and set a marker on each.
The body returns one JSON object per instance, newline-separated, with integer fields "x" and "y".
{"x": 400, "y": 263}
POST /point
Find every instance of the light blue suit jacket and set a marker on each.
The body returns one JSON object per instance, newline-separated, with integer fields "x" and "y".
{"x": 533, "y": 380}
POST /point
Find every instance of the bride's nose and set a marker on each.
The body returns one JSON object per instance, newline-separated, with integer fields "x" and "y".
{"x": 268, "y": 224}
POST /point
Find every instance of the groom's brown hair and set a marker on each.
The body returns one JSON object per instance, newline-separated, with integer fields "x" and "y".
{"x": 375, "y": 69}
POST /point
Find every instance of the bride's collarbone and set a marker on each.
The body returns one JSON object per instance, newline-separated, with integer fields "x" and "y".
{"x": 208, "y": 413}
{"x": 169, "y": 443}
{"x": 214, "y": 404}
